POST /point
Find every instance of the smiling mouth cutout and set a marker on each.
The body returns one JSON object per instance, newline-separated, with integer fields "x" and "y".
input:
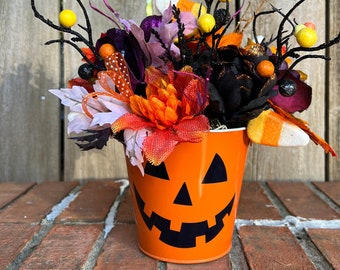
{"x": 186, "y": 237}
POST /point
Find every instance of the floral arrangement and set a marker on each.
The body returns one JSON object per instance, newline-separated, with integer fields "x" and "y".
{"x": 182, "y": 73}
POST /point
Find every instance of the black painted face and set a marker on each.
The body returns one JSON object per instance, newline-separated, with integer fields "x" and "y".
{"x": 216, "y": 174}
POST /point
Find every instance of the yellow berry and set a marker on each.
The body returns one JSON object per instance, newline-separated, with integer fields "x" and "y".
{"x": 265, "y": 69}
{"x": 298, "y": 27}
{"x": 306, "y": 37}
{"x": 67, "y": 18}
{"x": 206, "y": 23}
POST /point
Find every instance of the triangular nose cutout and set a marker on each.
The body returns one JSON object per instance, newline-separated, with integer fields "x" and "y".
{"x": 217, "y": 171}
{"x": 183, "y": 196}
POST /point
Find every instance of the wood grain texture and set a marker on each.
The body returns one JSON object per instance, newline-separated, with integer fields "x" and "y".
{"x": 29, "y": 122}
{"x": 333, "y": 89}
{"x": 30, "y": 136}
{"x": 109, "y": 162}
{"x": 305, "y": 163}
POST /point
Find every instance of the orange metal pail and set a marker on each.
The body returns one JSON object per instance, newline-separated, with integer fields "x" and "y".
{"x": 186, "y": 207}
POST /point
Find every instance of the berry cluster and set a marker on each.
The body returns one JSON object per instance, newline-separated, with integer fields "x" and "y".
{"x": 201, "y": 46}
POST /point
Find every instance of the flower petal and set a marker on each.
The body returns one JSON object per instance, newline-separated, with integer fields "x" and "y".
{"x": 192, "y": 130}
{"x": 133, "y": 142}
{"x": 158, "y": 146}
{"x": 130, "y": 121}
{"x": 71, "y": 97}
{"x": 78, "y": 122}
{"x": 300, "y": 101}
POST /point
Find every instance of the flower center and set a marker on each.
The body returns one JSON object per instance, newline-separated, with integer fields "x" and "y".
{"x": 160, "y": 106}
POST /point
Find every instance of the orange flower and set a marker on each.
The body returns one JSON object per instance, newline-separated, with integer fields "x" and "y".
{"x": 185, "y": 5}
{"x": 171, "y": 112}
{"x": 164, "y": 105}
{"x": 233, "y": 38}
{"x": 160, "y": 106}
{"x": 89, "y": 54}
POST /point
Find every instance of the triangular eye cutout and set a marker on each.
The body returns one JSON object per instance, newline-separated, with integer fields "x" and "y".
{"x": 217, "y": 171}
{"x": 156, "y": 171}
{"x": 183, "y": 196}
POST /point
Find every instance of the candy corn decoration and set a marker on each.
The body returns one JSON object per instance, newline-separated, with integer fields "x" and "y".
{"x": 270, "y": 128}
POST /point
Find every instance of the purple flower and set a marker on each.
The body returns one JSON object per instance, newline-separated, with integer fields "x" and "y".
{"x": 127, "y": 44}
{"x": 300, "y": 100}
{"x": 149, "y": 23}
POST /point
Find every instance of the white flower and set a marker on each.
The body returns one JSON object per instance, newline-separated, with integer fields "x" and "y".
{"x": 162, "y": 5}
{"x": 134, "y": 141}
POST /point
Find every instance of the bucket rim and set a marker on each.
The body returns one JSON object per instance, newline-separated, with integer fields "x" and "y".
{"x": 227, "y": 130}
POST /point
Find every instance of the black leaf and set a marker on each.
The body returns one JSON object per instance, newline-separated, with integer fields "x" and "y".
{"x": 93, "y": 139}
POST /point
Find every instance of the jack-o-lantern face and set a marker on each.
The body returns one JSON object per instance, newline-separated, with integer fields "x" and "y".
{"x": 187, "y": 198}
{"x": 185, "y": 235}
{"x": 185, "y": 208}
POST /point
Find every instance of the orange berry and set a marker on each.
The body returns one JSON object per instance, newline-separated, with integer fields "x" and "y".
{"x": 106, "y": 50}
{"x": 310, "y": 25}
{"x": 265, "y": 69}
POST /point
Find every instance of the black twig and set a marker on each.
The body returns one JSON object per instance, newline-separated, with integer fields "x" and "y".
{"x": 77, "y": 36}
{"x": 208, "y": 3}
{"x": 280, "y": 30}
{"x": 167, "y": 54}
{"x": 62, "y": 41}
{"x": 293, "y": 52}
{"x": 300, "y": 59}
{"x": 88, "y": 28}
{"x": 255, "y": 20}
{"x": 282, "y": 39}
{"x": 185, "y": 52}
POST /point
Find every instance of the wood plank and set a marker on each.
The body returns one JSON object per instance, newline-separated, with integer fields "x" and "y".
{"x": 333, "y": 90}
{"x": 30, "y": 127}
{"x": 306, "y": 163}
{"x": 109, "y": 162}
{"x": 29, "y": 114}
